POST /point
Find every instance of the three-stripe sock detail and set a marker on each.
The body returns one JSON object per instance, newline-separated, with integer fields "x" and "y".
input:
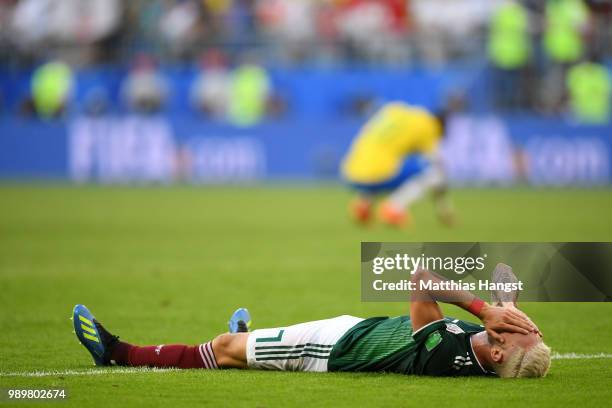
{"x": 208, "y": 356}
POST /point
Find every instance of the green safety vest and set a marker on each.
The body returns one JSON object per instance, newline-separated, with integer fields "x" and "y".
{"x": 562, "y": 39}
{"x": 249, "y": 95}
{"x": 509, "y": 44}
{"x": 51, "y": 85}
{"x": 589, "y": 89}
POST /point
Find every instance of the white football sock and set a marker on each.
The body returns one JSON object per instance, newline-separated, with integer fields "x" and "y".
{"x": 413, "y": 189}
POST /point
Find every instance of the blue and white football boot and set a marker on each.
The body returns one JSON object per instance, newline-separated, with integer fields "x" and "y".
{"x": 96, "y": 339}
{"x": 240, "y": 322}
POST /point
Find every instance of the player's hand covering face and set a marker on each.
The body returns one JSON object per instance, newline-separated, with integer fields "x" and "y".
{"x": 500, "y": 319}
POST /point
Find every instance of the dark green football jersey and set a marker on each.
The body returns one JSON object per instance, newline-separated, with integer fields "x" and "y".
{"x": 442, "y": 348}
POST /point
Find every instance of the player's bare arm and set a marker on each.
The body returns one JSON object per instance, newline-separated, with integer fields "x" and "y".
{"x": 424, "y": 308}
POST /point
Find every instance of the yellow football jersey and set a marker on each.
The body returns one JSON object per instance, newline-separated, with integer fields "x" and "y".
{"x": 395, "y": 132}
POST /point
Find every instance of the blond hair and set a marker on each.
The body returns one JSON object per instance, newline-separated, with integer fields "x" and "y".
{"x": 533, "y": 362}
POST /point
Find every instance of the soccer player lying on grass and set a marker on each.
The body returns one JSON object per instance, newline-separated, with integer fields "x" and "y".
{"x": 396, "y": 154}
{"x": 426, "y": 343}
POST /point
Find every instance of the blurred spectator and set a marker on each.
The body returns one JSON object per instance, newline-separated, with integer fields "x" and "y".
{"x": 371, "y": 29}
{"x": 449, "y": 28}
{"x": 6, "y": 16}
{"x": 51, "y": 89}
{"x": 37, "y": 23}
{"x": 590, "y": 90}
{"x": 144, "y": 18}
{"x": 601, "y": 22}
{"x": 215, "y": 16}
{"x": 509, "y": 42}
{"x": 292, "y": 24}
{"x": 242, "y": 22}
{"x": 32, "y": 21}
{"x": 544, "y": 35}
{"x": 145, "y": 90}
{"x": 180, "y": 26}
{"x": 249, "y": 95}
{"x": 218, "y": 6}
{"x": 565, "y": 20}
{"x": 509, "y": 51}
{"x": 210, "y": 92}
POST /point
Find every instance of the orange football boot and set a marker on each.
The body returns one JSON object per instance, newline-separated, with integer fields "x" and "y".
{"x": 361, "y": 211}
{"x": 392, "y": 216}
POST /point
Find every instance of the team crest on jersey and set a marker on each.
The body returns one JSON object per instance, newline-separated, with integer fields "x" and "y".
{"x": 433, "y": 340}
{"x": 453, "y": 328}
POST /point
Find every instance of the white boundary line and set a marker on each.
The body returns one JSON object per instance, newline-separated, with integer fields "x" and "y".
{"x": 103, "y": 371}
{"x": 577, "y": 356}
{"x": 98, "y": 371}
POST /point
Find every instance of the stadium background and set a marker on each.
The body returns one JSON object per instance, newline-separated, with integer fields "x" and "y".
{"x": 234, "y": 91}
{"x": 217, "y": 127}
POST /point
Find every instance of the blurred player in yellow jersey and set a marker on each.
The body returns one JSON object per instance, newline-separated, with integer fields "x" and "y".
{"x": 396, "y": 154}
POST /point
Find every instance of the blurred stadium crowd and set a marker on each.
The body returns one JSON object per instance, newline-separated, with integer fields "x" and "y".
{"x": 537, "y": 55}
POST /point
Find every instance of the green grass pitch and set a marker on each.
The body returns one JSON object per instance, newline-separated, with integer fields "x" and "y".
{"x": 162, "y": 265}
